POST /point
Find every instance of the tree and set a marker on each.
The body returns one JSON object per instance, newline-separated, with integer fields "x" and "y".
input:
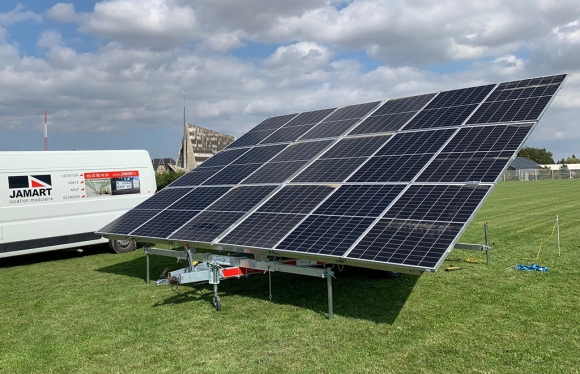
{"x": 572, "y": 160}
{"x": 541, "y": 156}
{"x": 163, "y": 179}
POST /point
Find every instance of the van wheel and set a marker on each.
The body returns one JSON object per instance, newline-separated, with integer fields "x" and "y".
{"x": 122, "y": 246}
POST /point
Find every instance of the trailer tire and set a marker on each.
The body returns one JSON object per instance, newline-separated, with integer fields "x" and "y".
{"x": 122, "y": 246}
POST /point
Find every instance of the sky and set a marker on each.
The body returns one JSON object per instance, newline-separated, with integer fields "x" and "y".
{"x": 115, "y": 74}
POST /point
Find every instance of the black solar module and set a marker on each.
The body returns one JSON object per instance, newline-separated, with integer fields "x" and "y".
{"x": 388, "y": 185}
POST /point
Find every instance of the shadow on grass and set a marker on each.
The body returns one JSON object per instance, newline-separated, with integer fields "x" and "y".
{"x": 357, "y": 293}
{"x": 64, "y": 254}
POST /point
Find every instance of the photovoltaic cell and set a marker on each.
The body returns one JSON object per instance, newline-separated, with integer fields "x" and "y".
{"x": 390, "y": 169}
{"x": 273, "y": 123}
{"x": 199, "y": 199}
{"x": 223, "y": 158}
{"x": 352, "y": 111}
{"x": 464, "y": 96}
{"x": 287, "y": 134}
{"x": 356, "y": 147}
{"x": 262, "y": 229}
{"x": 441, "y": 117}
{"x": 206, "y": 226}
{"x": 412, "y": 243}
{"x": 392, "y": 115}
{"x": 406, "y": 104}
{"x": 129, "y": 221}
{"x": 301, "y": 151}
{"x": 416, "y": 143}
{"x": 328, "y": 235}
{"x": 386, "y": 123}
{"x": 274, "y": 172}
{"x": 196, "y": 177}
{"x": 466, "y": 167}
{"x": 162, "y": 225}
{"x": 329, "y": 170}
{"x": 489, "y": 138}
{"x": 164, "y": 198}
{"x": 330, "y": 129}
{"x": 438, "y": 203}
{"x": 308, "y": 118}
{"x": 296, "y": 199}
{"x": 364, "y": 201}
{"x": 232, "y": 174}
{"x": 259, "y": 155}
{"x": 241, "y": 199}
{"x": 528, "y": 109}
{"x": 250, "y": 138}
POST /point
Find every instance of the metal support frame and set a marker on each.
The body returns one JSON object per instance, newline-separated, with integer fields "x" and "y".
{"x": 478, "y": 247}
{"x": 213, "y": 268}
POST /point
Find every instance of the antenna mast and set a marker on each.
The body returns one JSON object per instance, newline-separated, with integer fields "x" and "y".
{"x": 45, "y": 132}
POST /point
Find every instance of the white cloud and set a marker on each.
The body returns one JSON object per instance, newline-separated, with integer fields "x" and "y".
{"x": 64, "y": 12}
{"x": 18, "y": 14}
{"x": 50, "y": 38}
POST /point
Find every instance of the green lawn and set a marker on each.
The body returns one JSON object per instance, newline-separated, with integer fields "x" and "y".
{"x": 93, "y": 313}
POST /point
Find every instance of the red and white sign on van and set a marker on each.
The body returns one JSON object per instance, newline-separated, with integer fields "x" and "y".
{"x": 112, "y": 174}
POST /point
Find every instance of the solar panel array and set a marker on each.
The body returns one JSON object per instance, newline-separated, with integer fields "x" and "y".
{"x": 388, "y": 184}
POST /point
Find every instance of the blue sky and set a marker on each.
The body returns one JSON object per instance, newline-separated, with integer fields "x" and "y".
{"x": 110, "y": 73}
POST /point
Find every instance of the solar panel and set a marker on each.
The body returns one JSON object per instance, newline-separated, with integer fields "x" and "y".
{"x": 388, "y": 185}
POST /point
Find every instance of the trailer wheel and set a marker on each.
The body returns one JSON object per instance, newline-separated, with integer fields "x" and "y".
{"x": 217, "y": 303}
{"x": 122, "y": 246}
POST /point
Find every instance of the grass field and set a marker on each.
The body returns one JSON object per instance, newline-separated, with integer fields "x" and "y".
{"x": 92, "y": 312}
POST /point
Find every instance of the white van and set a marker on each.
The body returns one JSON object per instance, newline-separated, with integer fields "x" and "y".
{"x": 57, "y": 200}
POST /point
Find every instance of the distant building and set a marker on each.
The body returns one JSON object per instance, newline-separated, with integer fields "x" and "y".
{"x": 202, "y": 144}
{"x": 162, "y": 165}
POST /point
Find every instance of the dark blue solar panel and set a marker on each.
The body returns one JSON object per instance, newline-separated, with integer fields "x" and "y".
{"x": 196, "y": 177}
{"x": 259, "y": 155}
{"x": 352, "y": 111}
{"x": 262, "y": 229}
{"x": 327, "y": 235}
{"x": 129, "y": 221}
{"x": 488, "y": 138}
{"x": 528, "y": 109}
{"x": 442, "y": 117}
{"x": 296, "y": 199}
{"x": 307, "y": 118}
{"x": 232, "y": 174}
{"x": 464, "y": 96}
{"x": 466, "y": 167}
{"x": 302, "y": 151}
{"x": 329, "y": 170}
{"x": 199, "y": 199}
{"x": 164, "y": 198}
{"x": 206, "y": 226}
{"x": 274, "y": 172}
{"x": 406, "y": 104}
{"x": 416, "y": 142}
{"x": 412, "y": 243}
{"x": 365, "y": 201}
{"x": 241, "y": 199}
{"x": 273, "y": 123}
{"x": 163, "y": 225}
{"x": 287, "y": 134}
{"x": 223, "y": 158}
{"x": 250, "y": 138}
{"x": 390, "y": 169}
{"x": 330, "y": 129}
{"x": 438, "y": 203}
{"x": 387, "y": 123}
{"x": 356, "y": 147}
